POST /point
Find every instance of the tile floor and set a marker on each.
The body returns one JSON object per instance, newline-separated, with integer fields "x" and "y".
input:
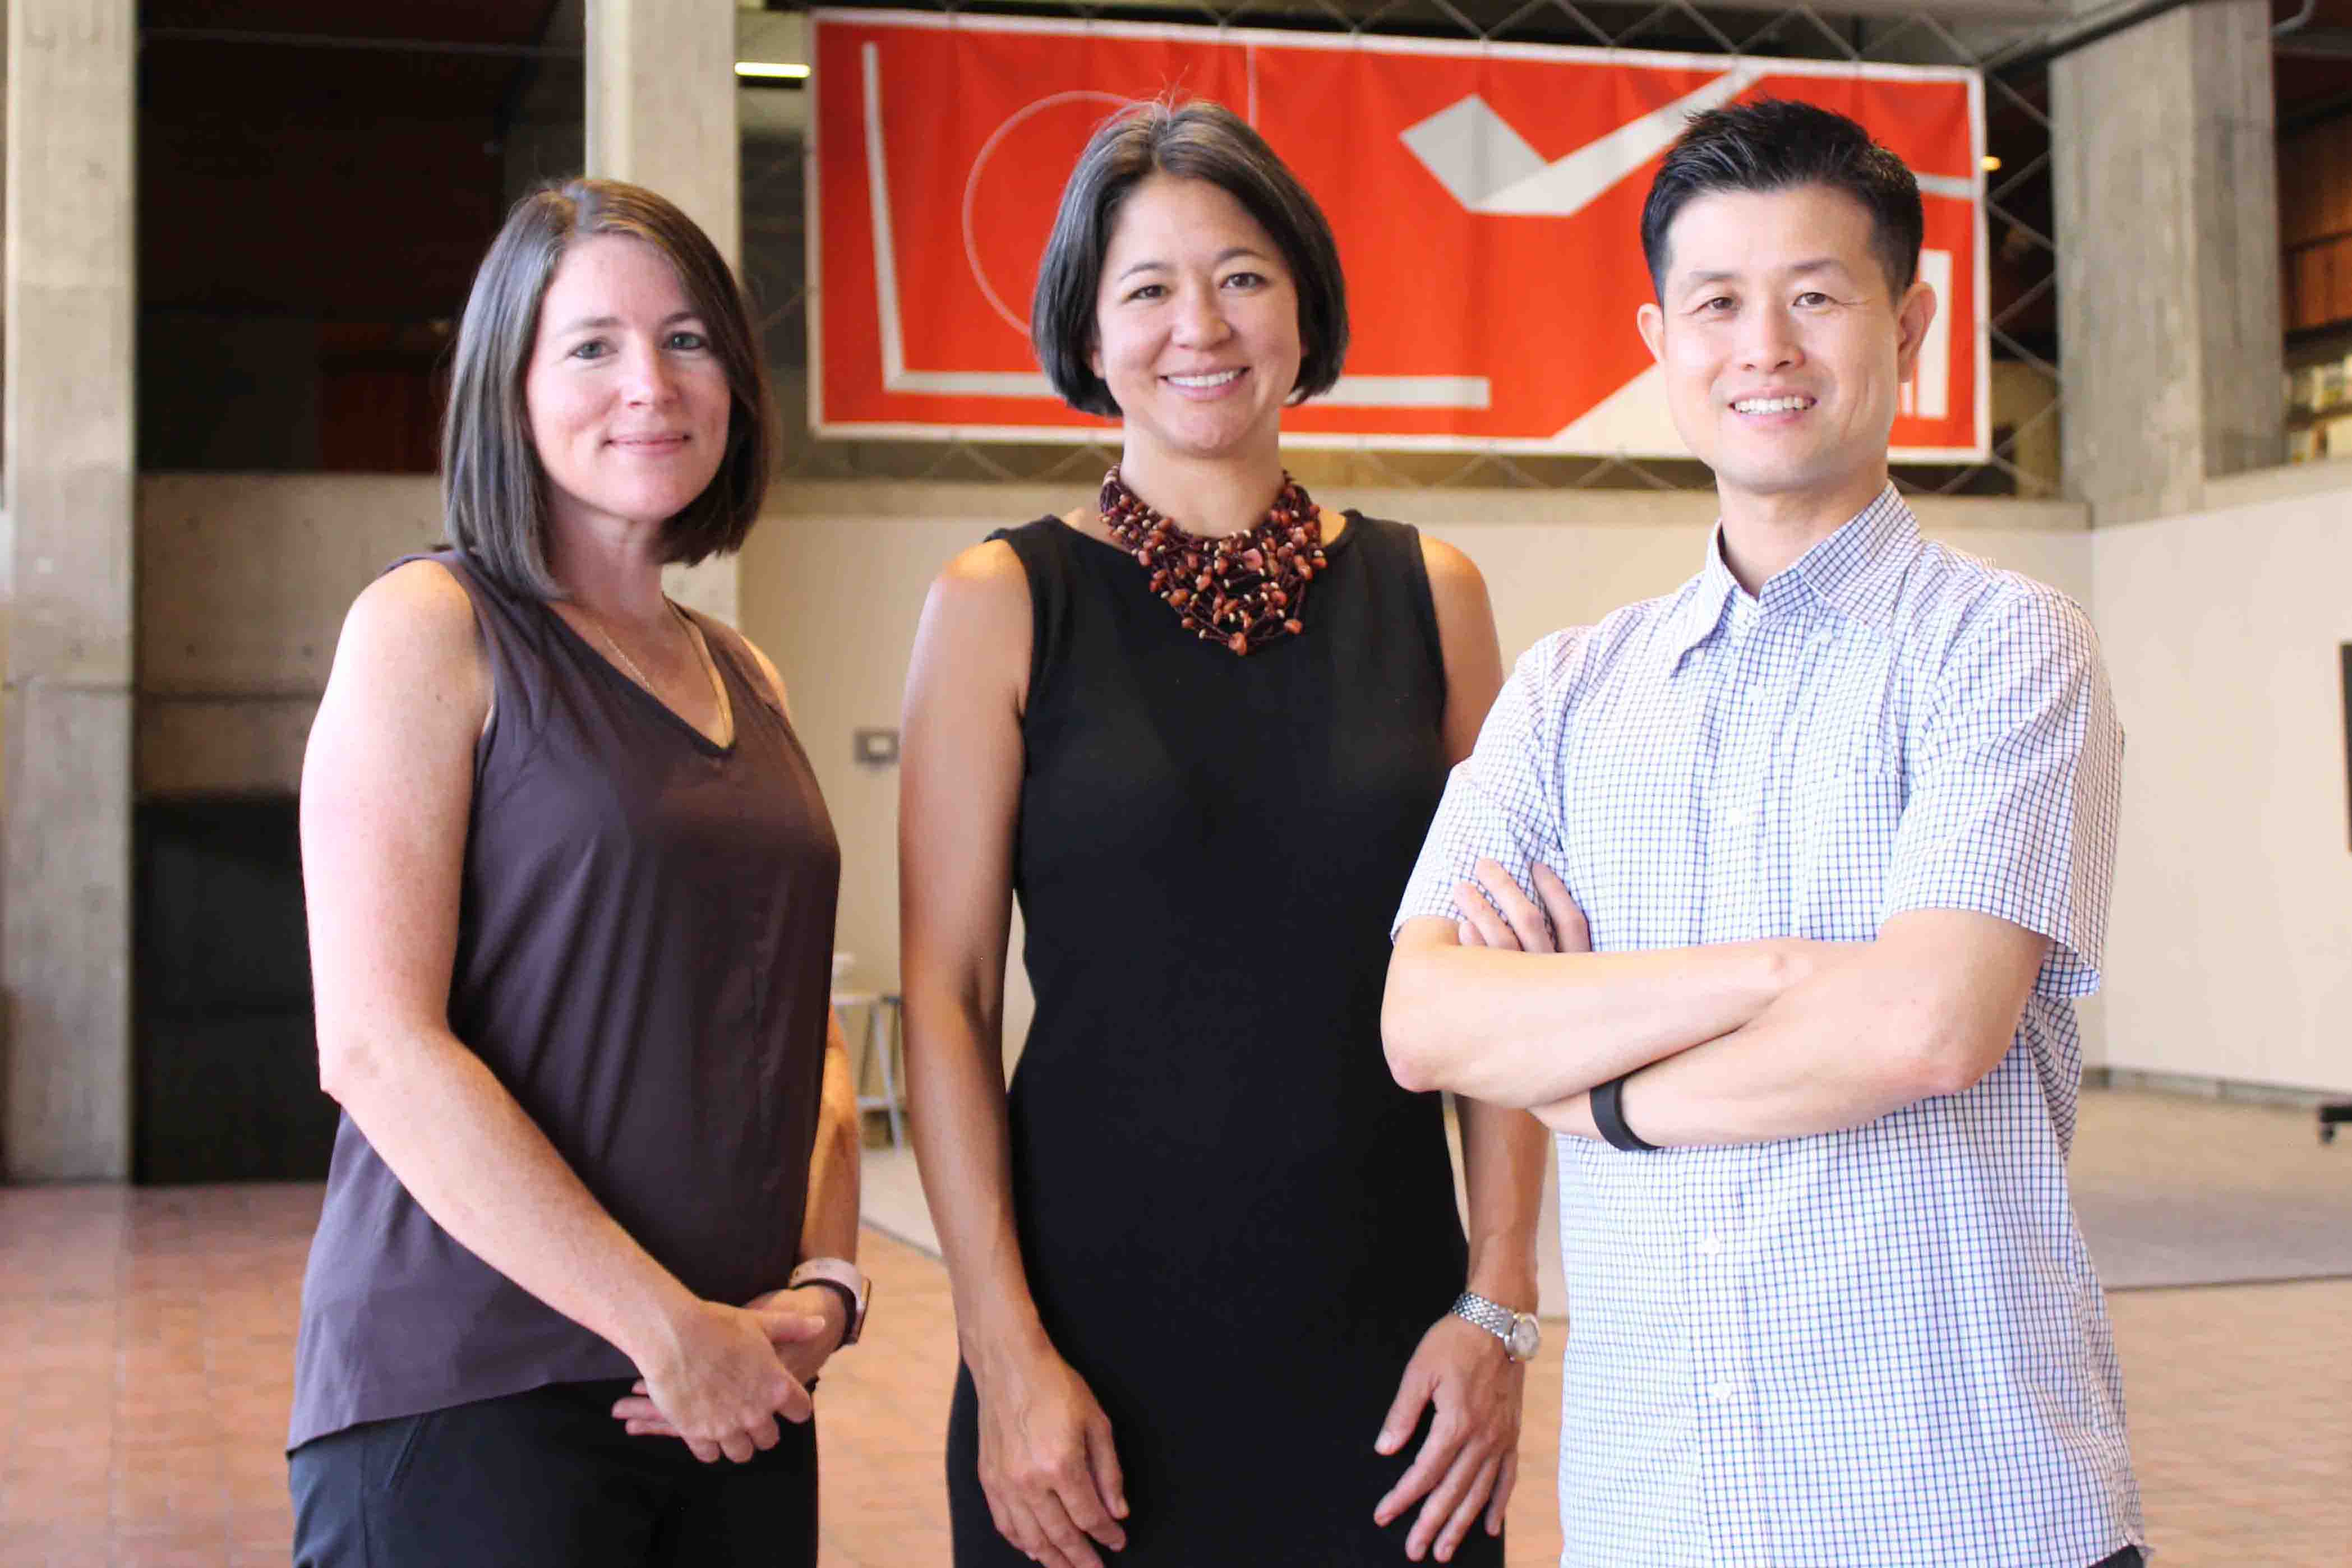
{"x": 2171, "y": 1190}
{"x": 153, "y": 1337}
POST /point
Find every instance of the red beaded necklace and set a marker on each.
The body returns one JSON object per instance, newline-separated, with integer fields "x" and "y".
{"x": 1243, "y": 591}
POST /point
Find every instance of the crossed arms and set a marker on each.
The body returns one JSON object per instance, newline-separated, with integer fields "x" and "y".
{"x": 1997, "y": 875}
{"x": 1733, "y": 1043}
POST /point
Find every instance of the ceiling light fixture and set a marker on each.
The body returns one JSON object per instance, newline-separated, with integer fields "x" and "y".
{"x": 768, "y": 70}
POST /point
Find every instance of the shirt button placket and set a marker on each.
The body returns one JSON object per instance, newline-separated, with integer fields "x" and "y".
{"x": 1715, "y": 1305}
{"x": 1758, "y": 722}
{"x": 1739, "y": 1513}
{"x": 1715, "y": 861}
{"x": 1779, "y": 677}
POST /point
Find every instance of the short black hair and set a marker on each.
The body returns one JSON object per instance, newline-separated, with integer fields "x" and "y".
{"x": 1194, "y": 141}
{"x": 1774, "y": 144}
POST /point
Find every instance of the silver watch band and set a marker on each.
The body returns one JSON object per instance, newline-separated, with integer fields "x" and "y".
{"x": 1495, "y": 1318}
{"x": 1516, "y": 1330}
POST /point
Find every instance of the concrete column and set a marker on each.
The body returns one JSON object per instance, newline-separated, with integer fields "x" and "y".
{"x": 2167, "y": 193}
{"x": 65, "y": 941}
{"x": 661, "y": 113}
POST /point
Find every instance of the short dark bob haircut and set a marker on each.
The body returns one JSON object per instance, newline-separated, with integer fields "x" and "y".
{"x": 1194, "y": 141}
{"x": 1774, "y": 144}
{"x": 493, "y": 487}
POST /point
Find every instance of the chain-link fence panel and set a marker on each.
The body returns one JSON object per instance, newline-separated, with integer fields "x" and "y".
{"x": 2021, "y": 317}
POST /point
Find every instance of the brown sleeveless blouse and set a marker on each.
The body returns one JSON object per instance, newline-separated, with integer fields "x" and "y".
{"x": 643, "y": 960}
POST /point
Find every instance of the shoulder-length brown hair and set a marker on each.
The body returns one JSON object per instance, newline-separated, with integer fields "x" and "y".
{"x": 493, "y": 487}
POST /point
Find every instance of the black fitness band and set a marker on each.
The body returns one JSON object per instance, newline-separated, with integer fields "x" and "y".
{"x": 1608, "y": 1117}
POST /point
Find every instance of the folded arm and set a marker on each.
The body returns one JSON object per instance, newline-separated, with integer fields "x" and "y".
{"x": 1508, "y": 1028}
{"x": 1999, "y": 871}
{"x": 1525, "y": 1028}
{"x": 1928, "y": 1009}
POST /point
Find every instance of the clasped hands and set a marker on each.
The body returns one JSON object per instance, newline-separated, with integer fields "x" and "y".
{"x": 725, "y": 1373}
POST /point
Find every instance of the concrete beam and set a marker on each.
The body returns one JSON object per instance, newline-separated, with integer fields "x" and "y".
{"x": 661, "y": 107}
{"x": 662, "y": 114}
{"x": 68, "y": 934}
{"x": 2166, "y": 184}
{"x": 64, "y": 940}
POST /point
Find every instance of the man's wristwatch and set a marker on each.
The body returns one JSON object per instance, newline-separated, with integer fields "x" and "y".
{"x": 1522, "y": 1335}
{"x": 845, "y": 1279}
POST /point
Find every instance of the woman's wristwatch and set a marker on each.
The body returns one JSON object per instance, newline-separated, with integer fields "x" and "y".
{"x": 1522, "y": 1335}
{"x": 845, "y": 1279}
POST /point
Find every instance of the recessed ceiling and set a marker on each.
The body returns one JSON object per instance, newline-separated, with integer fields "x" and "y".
{"x": 293, "y": 54}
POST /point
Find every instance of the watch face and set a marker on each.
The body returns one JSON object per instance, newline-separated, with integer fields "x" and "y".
{"x": 1527, "y": 1335}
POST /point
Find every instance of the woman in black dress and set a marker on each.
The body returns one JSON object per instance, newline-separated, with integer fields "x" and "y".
{"x": 1206, "y": 1256}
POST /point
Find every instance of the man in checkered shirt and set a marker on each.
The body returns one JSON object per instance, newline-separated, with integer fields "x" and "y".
{"x": 1782, "y": 885}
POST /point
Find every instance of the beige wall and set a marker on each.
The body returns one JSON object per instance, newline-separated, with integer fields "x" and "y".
{"x": 244, "y": 579}
{"x": 834, "y": 581}
{"x": 243, "y": 583}
{"x": 831, "y": 585}
{"x": 2229, "y": 955}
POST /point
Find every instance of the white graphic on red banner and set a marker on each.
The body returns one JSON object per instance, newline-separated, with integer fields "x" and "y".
{"x": 1487, "y": 201}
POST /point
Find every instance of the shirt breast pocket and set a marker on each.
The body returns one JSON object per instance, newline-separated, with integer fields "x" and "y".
{"x": 1846, "y": 831}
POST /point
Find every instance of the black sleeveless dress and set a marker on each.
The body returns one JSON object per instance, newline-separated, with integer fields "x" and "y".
{"x": 1236, "y": 1227}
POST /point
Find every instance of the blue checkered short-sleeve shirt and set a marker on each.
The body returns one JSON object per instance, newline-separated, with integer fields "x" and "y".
{"x": 1876, "y": 1347}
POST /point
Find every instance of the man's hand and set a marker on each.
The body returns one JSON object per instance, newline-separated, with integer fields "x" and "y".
{"x": 1501, "y": 915}
{"x": 1498, "y": 913}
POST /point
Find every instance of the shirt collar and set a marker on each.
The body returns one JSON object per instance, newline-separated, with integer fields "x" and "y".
{"x": 1858, "y": 569}
{"x": 1699, "y": 609}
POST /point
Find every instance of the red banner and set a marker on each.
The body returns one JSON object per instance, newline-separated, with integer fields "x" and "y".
{"x": 1486, "y": 199}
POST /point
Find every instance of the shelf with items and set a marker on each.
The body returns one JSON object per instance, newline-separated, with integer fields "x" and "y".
{"x": 2319, "y": 401}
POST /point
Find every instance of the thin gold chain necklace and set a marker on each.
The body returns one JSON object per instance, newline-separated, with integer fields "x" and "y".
{"x": 596, "y": 623}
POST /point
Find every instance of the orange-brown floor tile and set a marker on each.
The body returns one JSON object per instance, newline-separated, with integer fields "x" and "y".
{"x": 152, "y": 1337}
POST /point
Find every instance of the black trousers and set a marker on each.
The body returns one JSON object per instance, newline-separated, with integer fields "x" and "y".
{"x": 546, "y": 1479}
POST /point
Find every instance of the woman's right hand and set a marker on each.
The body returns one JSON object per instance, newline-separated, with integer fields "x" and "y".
{"x": 1046, "y": 1462}
{"x": 719, "y": 1382}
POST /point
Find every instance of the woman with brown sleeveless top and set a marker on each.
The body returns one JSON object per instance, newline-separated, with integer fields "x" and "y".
{"x": 571, "y": 891}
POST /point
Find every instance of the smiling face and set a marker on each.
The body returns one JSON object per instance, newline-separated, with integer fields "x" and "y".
{"x": 1196, "y": 322}
{"x": 1783, "y": 344}
{"x": 628, "y": 405}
